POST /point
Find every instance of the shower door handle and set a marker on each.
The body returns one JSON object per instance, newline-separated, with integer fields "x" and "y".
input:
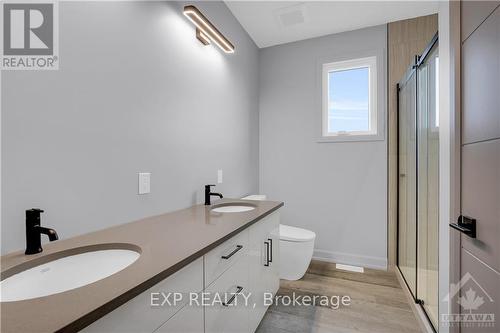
{"x": 466, "y": 225}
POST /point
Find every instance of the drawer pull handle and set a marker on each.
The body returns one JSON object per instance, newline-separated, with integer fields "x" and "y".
{"x": 231, "y": 300}
{"x": 238, "y": 247}
{"x": 270, "y": 250}
{"x": 267, "y": 254}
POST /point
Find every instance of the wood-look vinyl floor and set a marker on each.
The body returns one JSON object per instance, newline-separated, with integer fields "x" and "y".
{"x": 378, "y": 304}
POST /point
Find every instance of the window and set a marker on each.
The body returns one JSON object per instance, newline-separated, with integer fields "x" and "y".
{"x": 350, "y": 98}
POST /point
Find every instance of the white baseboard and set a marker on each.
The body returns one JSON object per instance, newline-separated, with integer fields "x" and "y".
{"x": 350, "y": 259}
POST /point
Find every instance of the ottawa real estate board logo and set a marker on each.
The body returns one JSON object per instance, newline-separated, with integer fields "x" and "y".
{"x": 30, "y": 32}
{"x": 477, "y": 307}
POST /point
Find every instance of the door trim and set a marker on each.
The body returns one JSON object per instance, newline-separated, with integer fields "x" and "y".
{"x": 449, "y": 154}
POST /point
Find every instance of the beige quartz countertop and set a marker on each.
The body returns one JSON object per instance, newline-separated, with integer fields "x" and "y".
{"x": 166, "y": 242}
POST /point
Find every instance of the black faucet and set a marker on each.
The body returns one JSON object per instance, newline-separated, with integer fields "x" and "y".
{"x": 208, "y": 194}
{"x": 34, "y": 232}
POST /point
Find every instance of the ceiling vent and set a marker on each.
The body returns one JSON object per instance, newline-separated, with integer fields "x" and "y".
{"x": 292, "y": 15}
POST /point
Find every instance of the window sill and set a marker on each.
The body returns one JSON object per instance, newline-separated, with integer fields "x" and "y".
{"x": 350, "y": 138}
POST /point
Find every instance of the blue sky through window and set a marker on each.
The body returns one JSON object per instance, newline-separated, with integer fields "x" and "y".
{"x": 348, "y": 95}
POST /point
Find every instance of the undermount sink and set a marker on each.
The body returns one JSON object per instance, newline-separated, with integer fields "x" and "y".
{"x": 66, "y": 270}
{"x": 233, "y": 208}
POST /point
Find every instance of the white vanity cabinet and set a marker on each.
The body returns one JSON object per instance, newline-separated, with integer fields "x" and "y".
{"x": 246, "y": 264}
{"x": 137, "y": 315}
{"x": 230, "y": 316}
{"x": 188, "y": 320}
{"x": 264, "y": 264}
{"x": 226, "y": 275}
{"x": 220, "y": 259}
{"x": 255, "y": 272}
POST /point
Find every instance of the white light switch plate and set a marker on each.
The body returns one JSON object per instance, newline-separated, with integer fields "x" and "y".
{"x": 219, "y": 176}
{"x": 144, "y": 182}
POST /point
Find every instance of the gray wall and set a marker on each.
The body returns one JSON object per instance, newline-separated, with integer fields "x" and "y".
{"x": 337, "y": 189}
{"x": 73, "y": 140}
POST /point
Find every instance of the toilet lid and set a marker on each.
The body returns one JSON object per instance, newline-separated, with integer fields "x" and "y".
{"x": 255, "y": 197}
{"x": 293, "y": 234}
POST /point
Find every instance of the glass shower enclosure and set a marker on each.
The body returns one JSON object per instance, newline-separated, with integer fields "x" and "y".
{"x": 418, "y": 179}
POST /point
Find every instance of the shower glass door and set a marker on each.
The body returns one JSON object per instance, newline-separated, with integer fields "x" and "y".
{"x": 407, "y": 224}
{"x": 428, "y": 184}
{"x": 418, "y": 182}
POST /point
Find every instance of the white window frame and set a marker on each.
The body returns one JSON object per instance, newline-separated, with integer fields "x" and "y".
{"x": 373, "y": 114}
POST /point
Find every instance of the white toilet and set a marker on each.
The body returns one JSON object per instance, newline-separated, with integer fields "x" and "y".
{"x": 296, "y": 248}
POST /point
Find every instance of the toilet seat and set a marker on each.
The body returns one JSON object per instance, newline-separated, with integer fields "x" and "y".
{"x": 294, "y": 234}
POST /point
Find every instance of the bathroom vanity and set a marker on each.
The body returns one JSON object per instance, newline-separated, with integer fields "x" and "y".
{"x": 196, "y": 252}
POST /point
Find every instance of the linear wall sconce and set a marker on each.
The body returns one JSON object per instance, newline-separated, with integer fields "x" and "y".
{"x": 206, "y": 31}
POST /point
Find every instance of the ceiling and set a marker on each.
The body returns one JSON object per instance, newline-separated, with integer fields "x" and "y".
{"x": 277, "y": 22}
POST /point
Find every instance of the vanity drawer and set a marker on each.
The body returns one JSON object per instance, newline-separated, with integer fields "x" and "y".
{"x": 231, "y": 318}
{"x": 137, "y": 315}
{"x": 224, "y": 256}
{"x": 188, "y": 320}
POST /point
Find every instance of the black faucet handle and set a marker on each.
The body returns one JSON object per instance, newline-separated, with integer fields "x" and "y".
{"x": 209, "y": 186}
{"x": 33, "y": 216}
{"x": 35, "y": 210}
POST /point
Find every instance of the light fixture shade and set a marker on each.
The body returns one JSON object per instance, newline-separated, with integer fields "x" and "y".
{"x": 206, "y": 31}
{"x": 202, "y": 37}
